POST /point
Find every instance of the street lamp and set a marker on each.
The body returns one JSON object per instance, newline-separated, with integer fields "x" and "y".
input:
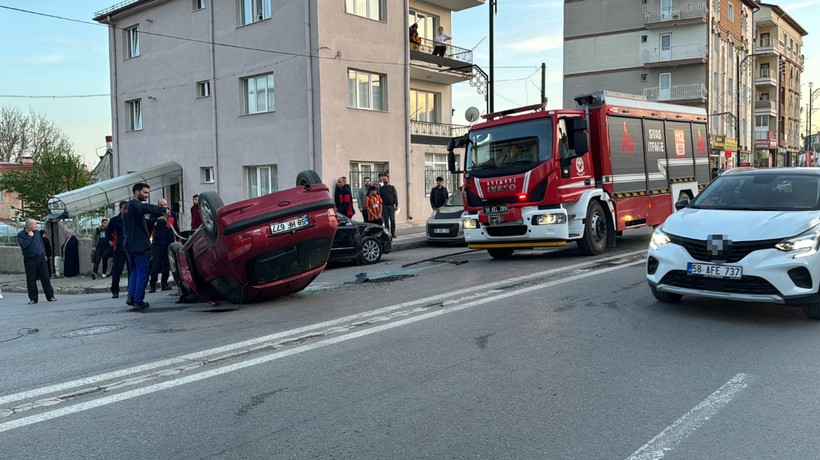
{"x": 812, "y": 94}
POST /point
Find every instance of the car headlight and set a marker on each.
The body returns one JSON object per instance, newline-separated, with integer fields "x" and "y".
{"x": 550, "y": 219}
{"x": 804, "y": 244}
{"x": 659, "y": 238}
{"x": 470, "y": 223}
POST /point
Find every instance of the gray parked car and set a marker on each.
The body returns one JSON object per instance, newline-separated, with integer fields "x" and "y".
{"x": 445, "y": 224}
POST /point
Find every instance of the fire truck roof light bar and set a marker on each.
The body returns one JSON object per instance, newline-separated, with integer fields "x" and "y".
{"x": 503, "y": 113}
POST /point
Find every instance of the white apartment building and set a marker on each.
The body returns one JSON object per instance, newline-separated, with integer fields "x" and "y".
{"x": 695, "y": 53}
{"x": 244, "y": 94}
{"x": 778, "y": 66}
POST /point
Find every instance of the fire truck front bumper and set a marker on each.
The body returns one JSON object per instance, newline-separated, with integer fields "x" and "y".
{"x": 532, "y": 228}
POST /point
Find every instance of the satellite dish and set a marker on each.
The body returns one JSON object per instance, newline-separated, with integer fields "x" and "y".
{"x": 471, "y": 114}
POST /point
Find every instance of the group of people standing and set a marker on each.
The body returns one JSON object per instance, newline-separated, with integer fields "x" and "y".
{"x": 378, "y": 203}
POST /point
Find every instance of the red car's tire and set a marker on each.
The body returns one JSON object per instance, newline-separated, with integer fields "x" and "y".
{"x": 307, "y": 177}
{"x": 209, "y": 203}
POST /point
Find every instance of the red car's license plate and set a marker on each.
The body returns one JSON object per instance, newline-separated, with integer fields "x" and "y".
{"x": 289, "y": 225}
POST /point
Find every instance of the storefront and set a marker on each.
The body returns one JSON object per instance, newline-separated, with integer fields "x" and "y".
{"x": 723, "y": 153}
{"x": 765, "y": 152}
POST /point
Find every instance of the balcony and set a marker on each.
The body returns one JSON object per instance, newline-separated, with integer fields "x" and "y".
{"x": 454, "y": 67}
{"x": 766, "y": 108}
{"x": 766, "y": 77}
{"x": 688, "y": 13}
{"x": 675, "y": 56}
{"x": 765, "y": 140}
{"x": 424, "y": 132}
{"x": 677, "y": 93}
{"x": 455, "y": 5}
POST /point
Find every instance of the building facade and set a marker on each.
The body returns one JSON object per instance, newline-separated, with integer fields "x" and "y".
{"x": 682, "y": 52}
{"x": 244, "y": 94}
{"x": 778, "y": 67}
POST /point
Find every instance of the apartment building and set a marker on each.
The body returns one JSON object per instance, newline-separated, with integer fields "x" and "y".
{"x": 683, "y": 52}
{"x": 778, "y": 66}
{"x": 244, "y": 94}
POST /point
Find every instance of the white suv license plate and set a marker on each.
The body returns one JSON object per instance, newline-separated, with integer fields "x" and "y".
{"x": 715, "y": 271}
{"x": 289, "y": 225}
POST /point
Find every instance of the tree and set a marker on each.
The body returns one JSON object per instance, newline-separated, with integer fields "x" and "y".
{"x": 28, "y": 135}
{"x": 54, "y": 171}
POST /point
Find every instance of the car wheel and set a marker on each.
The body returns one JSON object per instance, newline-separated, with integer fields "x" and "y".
{"x": 307, "y": 177}
{"x": 370, "y": 251}
{"x": 209, "y": 203}
{"x": 501, "y": 253}
{"x": 812, "y": 310}
{"x": 173, "y": 260}
{"x": 665, "y": 297}
{"x": 595, "y": 231}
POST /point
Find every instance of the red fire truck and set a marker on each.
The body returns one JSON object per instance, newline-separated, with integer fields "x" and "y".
{"x": 535, "y": 177}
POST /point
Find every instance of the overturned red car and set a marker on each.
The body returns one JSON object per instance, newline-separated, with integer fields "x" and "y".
{"x": 258, "y": 248}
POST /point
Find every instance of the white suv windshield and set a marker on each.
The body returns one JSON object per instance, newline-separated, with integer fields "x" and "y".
{"x": 765, "y": 192}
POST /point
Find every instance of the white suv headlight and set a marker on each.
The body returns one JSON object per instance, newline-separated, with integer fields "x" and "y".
{"x": 659, "y": 238}
{"x": 804, "y": 244}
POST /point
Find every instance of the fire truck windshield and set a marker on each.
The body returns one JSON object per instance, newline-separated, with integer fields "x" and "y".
{"x": 513, "y": 148}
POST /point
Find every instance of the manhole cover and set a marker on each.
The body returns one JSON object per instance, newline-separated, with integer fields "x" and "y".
{"x": 94, "y": 330}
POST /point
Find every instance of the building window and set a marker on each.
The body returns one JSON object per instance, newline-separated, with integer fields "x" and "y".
{"x": 261, "y": 180}
{"x": 203, "y": 88}
{"x": 644, "y": 38}
{"x": 427, "y": 23}
{"x": 365, "y": 90}
{"x": 371, "y": 9}
{"x": 359, "y": 170}
{"x": 206, "y": 175}
{"x": 251, "y": 11}
{"x": 716, "y": 6}
{"x": 730, "y": 12}
{"x": 134, "y": 109}
{"x": 765, "y": 40}
{"x": 199, "y": 5}
{"x": 424, "y": 106}
{"x": 258, "y": 94}
{"x": 132, "y": 42}
{"x": 644, "y": 77}
{"x": 435, "y": 165}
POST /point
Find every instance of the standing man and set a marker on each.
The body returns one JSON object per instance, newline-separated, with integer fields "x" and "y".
{"x": 343, "y": 198}
{"x": 438, "y": 194}
{"x": 440, "y": 42}
{"x": 390, "y": 201}
{"x": 49, "y": 252}
{"x": 196, "y": 220}
{"x": 34, "y": 261}
{"x": 101, "y": 250}
{"x": 116, "y": 240}
{"x": 163, "y": 235}
{"x": 361, "y": 196}
{"x": 138, "y": 243}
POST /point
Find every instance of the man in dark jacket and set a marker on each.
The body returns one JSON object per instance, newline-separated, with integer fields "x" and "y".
{"x": 196, "y": 218}
{"x": 163, "y": 230}
{"x": 344, "y": 198}
{"x": 438, "y": 194}
{"x": 116, "y": 239}
{"x": 138, "y": 243}
{"x": 390, "y": 202}
{"x": 34, "y": 261}
{"x": 101, "y": 250}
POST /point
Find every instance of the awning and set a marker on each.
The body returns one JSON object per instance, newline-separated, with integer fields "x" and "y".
{"x": 110, "y": 192}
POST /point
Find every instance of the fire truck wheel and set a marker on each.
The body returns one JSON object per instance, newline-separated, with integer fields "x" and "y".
{"x": 665, "y": 297}
{"x": 595, "y": 231}
{"x": 501, "y": 253}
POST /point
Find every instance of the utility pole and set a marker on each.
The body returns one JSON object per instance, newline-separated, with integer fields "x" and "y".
{"x": 543, "y": 83}
{"x": 491, "y": 84}
{"x": 737, "y": 119}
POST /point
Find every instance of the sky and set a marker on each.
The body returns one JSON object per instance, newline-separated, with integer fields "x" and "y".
{"x": 59, "y": 67}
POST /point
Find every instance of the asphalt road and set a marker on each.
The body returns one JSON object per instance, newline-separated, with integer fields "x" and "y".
{"x": 545, "y": 355}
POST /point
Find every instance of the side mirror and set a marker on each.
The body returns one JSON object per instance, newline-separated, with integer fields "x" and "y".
{"x": 680, "y": 204}
{"x": 451, "y": 160}
{"x": 579, "y": 138}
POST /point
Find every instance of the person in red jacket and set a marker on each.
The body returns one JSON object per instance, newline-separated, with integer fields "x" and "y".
{"x": 196, "y": 220}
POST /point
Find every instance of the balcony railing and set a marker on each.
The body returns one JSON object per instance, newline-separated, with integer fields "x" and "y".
{"x": 676, "y": 92}
{"x": 676, "y": 53}
{"x": 765, "y": 73}
{"x": 676, "y": 13}
{"x": 426, "y": 46}
{"x": 426, "y": 128}
{"x": 766, "y": 106}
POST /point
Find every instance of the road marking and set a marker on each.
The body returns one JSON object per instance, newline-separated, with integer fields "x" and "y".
{"x": 80, "y": 407}
{"x": 664, "y": 442}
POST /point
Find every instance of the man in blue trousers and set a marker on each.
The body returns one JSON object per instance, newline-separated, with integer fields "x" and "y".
{"x": 138, "y": 243}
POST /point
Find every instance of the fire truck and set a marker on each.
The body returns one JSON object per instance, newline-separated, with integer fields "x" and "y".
{"x": 537, "y": 178}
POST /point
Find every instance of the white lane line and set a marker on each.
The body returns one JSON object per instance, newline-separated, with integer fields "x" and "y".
{"x": 200, "y": 355}
{"x": 667, "y": 439}
{"x": 49, "y": 415}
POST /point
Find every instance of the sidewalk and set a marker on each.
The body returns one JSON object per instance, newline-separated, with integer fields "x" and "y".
{"x": 408, "y": 236}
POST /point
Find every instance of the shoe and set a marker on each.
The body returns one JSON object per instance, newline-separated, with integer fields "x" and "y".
{"x": 115, "y": 296}
{"x": 393, "y": 236}
{"x": 141, "y": 305}
{"x": 32, "y": 302}
{"x": 129, "y": 300}
{"x": 52, "y": 299}
{"x": 104, "y": 275}
{"x": 153, "y": 289}
{"x": 93, "y": 276}
{"x": 166, "y": 288}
